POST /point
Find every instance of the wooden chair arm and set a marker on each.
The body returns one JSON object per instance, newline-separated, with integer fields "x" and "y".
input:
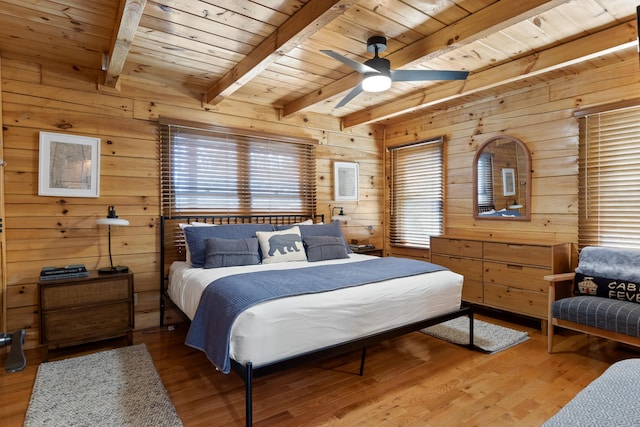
{"x": 560, "y": 286}
{"x": 560, "y": 277}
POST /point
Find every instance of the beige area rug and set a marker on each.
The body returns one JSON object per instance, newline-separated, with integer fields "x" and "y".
{"x": 118, "y": 387}
{"x": 487, "y": 337}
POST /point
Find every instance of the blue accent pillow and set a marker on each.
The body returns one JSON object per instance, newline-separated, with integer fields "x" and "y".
{"x": 229, "y": 253}
{"x": 320, "y": 248}
{"x": 196, "y": 236}
{"x": 330, "y": 229}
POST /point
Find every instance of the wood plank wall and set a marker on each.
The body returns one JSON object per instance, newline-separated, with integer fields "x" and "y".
{"x": 42, "y": 231}
{"x": 542, "y": 116}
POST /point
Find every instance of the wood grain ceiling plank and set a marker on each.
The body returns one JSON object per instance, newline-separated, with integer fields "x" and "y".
{"x": 74, "y": 9}
{"x": 313, "y": 16}
{"x": 186, "y": 59}
{"x": 194, "y": 35}
{"x": 242, "y": 16}
{"x": 267, "y": 10}
{"x": 124, "y": 32}
{"x": 445, "y": 11}
{"x": 409, "y": 16}
{"x": 229, "y": 32}
{"x": 373, "y": 23}
{"x": 489, "y": 20}
{"x": 555, "y": 58}
{"x": 48, "y": 50}
{"x": 183, "y": 46}
{"x": 90, "y": 24}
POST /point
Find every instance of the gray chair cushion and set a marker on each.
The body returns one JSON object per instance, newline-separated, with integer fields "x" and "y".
{"x": 602, "y": 313}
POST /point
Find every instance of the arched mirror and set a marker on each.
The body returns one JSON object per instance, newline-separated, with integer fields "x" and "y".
{"x": 502, "y": 180}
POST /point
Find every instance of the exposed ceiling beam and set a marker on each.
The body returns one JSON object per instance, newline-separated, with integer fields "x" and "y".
{"x": 587, "y": 48}
{"x": 125, "y": 30}
{"x": 491, "y": 19}
{"x": 311, "y": 18}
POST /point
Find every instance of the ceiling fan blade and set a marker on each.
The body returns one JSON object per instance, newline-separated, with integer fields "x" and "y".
{"x": 362, "y": 68}
{"x": 354, "y": 92}
{"x": 422, "y": 75}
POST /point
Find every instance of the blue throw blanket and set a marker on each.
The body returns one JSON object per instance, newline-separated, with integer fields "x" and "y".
{"x": 224, "y": 299}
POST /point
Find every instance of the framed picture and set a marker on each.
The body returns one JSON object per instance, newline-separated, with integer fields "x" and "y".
{"x": 508, "y": 182}
{"x": 69, "y": 165}
{"x": 345, "y": 180}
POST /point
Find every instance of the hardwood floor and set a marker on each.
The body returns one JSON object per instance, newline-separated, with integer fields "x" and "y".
{"x": 414, "y": 380}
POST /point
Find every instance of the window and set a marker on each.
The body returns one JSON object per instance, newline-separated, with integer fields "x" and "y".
{"x": 609, "y": 188}
{"x": 485, "y": 182}
{"x": 417, "y": 193}
{"x": 213, "y": 170}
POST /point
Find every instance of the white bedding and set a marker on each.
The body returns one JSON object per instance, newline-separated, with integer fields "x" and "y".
{"x": 286, "y": 327}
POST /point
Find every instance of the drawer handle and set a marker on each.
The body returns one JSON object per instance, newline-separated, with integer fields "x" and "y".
{"x": 514, "y": 266}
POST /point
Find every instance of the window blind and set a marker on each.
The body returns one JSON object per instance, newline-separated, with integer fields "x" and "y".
{"x": 609, "y": 189}
{"x": 417, "y": 193}
{"x": 219, "y": 171}
{"x": 485, "y": 181}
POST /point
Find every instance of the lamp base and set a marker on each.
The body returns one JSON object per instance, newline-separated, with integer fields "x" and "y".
{"x": 116, "y": 269}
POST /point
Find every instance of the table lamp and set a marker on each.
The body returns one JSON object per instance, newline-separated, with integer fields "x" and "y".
{"x": 112, "y": 219}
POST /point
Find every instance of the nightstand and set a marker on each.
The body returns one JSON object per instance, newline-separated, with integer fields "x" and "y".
{"x": 367, "y": 251}
{"x": 85, "y": 309}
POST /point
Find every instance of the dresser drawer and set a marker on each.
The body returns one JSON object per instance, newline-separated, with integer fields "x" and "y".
{"x": 80, "y": 324}
{"x": 516, "y": 300}
{"x": 94, "y": 292}
{"x": 518, "y": 253}
{"x": 469, "y": 268}
{"x": 516, "y": 276}
{"x": 456, "y": 247}
{"x": 472, "y": 291}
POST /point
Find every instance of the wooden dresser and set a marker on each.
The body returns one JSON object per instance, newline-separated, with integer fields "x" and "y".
{"x": 86, "y": 309}
{"x": 504, "y": 275}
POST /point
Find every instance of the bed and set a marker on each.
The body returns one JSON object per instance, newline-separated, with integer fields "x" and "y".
{"x": 357, "y": 307}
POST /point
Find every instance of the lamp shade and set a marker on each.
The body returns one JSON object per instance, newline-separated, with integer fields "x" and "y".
{"x": 112, "y": 221}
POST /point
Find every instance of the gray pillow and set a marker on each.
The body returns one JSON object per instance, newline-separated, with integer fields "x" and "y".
{"x": 330, "y": 229}
{"x": 320, "y": 248}
{"x": 230, "y": 252}
{"x": 195, "y": 237}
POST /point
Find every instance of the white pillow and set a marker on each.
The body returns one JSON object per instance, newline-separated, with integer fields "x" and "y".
{"x": 281, "y": 246}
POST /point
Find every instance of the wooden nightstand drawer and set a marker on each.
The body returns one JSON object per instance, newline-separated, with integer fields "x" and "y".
{"x": 86, "y": 309}
{"x": 81, "y": 324}
{"x": 98, "y": 291}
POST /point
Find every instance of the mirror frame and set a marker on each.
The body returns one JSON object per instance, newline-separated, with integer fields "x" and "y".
{"x": 526, "y": 216}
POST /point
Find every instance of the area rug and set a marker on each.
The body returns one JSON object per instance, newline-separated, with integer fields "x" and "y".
{"x": 118, "y": 387}
{"x": 487, "y": 337}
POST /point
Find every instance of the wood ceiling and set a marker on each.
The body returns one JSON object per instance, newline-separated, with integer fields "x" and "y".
{"x": 267, "y": 52}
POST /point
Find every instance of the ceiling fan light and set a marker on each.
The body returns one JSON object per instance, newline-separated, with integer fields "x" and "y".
{"x": 376, "y": 82}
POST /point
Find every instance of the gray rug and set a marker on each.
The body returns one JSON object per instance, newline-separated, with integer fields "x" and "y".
{"x": 118, "y": 387}
{"x": 487, "y": 337}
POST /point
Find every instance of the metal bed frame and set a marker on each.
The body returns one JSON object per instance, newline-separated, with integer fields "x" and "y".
{"x": 248, "y": 372}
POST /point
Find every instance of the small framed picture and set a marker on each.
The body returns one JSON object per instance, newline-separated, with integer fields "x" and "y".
{"x": 508, "y": 182}
{"x": 69, "y": 165}
{"x": 345, "y": 177}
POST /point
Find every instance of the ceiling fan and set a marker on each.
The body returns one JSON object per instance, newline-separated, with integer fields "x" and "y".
{"x": 377, "y": 74}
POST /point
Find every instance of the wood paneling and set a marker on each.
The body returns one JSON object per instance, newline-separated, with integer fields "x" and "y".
{"x": 43, "y": 231}
{"x": 542, "y": 117}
